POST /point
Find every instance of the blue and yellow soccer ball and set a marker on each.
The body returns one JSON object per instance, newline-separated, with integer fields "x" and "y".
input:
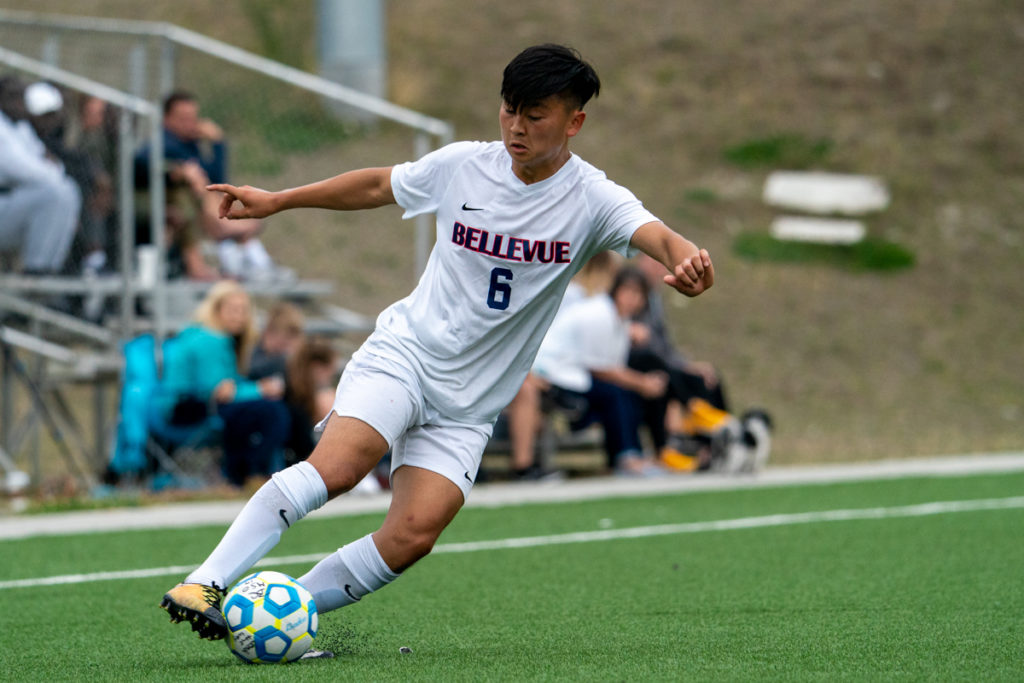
{"x": 270, "y": 617}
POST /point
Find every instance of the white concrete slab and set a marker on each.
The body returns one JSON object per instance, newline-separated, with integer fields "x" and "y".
{"x": 826, "y": 193}
{"x": 818, "y": 230}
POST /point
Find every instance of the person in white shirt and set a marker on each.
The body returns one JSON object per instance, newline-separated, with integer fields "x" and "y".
{"x": 515, "y": 220}
{"x": 524, "y": 414}
{"x": 39, "y": 202}
{"x": 585, "y": 354}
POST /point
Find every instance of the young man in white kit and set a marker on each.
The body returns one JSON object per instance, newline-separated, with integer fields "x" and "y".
{"x": 515, "y": 220}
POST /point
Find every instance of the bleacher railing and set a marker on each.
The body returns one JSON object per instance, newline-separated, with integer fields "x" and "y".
{"x": 269, "y": 110}
{"x": 145, "y": 58}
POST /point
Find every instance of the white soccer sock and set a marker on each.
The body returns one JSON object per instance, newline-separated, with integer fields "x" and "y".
{"x": 347, "y": 575}
{"x": 288, "y": 497}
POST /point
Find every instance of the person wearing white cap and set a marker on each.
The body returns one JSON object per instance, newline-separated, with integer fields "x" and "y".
{"x": 39, "y": 203}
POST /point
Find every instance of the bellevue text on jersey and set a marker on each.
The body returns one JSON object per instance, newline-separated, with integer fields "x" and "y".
{"x": 510, "y": 248}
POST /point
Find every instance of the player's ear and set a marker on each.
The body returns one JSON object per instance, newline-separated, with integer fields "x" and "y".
{"x": 575, "y": 122}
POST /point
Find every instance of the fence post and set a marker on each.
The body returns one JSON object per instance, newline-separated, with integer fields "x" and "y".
{"x": 352, "y": 50}
{"x": 137, "y": 71}
{"x": 50, "y": 53}
{"x": 157, "y": 223}
{"x": 126, "y": 211}
{"x": 168, "y": 56}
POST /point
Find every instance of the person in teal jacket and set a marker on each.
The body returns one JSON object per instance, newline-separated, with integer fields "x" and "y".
{"x": 204, "y": 373}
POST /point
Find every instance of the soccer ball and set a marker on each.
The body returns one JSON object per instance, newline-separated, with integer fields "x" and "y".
{"x": 270, "y": 617}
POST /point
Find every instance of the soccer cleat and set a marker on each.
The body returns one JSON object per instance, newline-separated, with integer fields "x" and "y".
{"x": 316, "y": 654}
{"x": 200, "y": 606}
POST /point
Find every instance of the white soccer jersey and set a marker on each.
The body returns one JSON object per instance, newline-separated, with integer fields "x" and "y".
{"x": 505, "y": 253}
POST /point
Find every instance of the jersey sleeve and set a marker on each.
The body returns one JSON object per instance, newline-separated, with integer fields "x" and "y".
{"x": 419, "y": 185}
{"x": 617, "y": 214}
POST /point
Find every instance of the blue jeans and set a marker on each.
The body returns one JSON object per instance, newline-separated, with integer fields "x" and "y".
{"x": 254, "y": 433}
{"x": 619, "y": 413}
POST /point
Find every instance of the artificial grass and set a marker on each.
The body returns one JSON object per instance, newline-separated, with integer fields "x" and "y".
{"x": 934, "y": 597}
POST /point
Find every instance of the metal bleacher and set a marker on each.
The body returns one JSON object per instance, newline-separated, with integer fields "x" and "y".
{"x": 44, "y": 350}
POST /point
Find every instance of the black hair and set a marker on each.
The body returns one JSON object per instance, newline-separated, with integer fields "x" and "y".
{"x": 175, "y": 97}
{"x": 630, "y": 275}
{"x": 12, "y": 97}
{"x": 544, "y": 70}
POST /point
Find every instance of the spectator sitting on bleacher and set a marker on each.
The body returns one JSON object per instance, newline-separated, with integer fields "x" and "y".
{"x": 281, "y": 337}
{"x": 205, "y": 368}
{"x": 654, "y": 350}
{"x": 310, "y": 382}
{"x": 39, "y": 202}
{"x": 584, "y": 355}
{"x": 94, "y": 138}
{"x": 693, "y": 378}
{"x": 309, "y": 368}
{"x": 196, "y": 155}
{"x": 695, "y": 393}
{"x": 524, "y": 415}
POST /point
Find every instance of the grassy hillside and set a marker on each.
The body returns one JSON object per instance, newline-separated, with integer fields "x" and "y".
{"x": 852, "y": 364}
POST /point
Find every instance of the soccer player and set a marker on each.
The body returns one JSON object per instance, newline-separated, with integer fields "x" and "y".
{"x": 515, "y": 220}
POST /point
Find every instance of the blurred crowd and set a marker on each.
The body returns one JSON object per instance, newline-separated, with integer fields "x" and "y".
{"x": 607, "y": 359}
{"x": 255, "y": 395}
{"x": 59, "y": 180}
{"x": 54, "y": 188}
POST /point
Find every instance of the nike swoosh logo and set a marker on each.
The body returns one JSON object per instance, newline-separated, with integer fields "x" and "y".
{"x": 468, "y": 478}
{"x": 348, "y": 589}
{"x": 467, "y": 207}
{"x": 287, "y": 524}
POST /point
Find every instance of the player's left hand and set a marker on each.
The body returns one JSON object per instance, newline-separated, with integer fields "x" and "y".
{"x": 693, "y": 275}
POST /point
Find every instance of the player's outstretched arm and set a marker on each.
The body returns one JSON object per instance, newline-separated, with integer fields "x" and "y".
{"x": 690, "y": 270}
{"x": 366, "y": 188}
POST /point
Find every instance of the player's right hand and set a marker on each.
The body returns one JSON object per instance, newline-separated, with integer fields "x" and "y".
{"x": 243, "y": 202}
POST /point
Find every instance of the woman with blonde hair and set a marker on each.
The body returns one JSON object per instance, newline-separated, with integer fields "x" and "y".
{"x": 204, "y": 373}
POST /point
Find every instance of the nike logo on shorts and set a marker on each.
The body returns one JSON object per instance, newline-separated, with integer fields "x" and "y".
{"x": 287, "y": 524}
{"x": 348, "y": 591}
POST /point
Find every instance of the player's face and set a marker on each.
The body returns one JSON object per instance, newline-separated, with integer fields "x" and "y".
{"x": 537, "y": 136}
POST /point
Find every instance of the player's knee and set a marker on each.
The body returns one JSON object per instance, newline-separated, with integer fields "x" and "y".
{"x": 413, "y": 544}
{"x": 340, "y": 478}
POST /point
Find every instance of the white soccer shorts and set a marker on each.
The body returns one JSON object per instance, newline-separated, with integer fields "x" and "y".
{"x": 385, "y": 395}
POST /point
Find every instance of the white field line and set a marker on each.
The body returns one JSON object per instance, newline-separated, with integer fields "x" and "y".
{"x": 213, "y": 513}
{"x": 920, "y": 510}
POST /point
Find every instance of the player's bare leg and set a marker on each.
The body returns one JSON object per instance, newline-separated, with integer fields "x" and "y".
{"x": 347, "y": 452}
{"x": 422, "y": 505}
{"x": 524, "y": 420}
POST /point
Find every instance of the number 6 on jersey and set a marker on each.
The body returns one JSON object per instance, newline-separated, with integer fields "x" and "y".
{"x": 500, "y": 293}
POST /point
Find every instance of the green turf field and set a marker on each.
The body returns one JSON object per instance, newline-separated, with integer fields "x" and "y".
{"x": 906, "y": 591}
